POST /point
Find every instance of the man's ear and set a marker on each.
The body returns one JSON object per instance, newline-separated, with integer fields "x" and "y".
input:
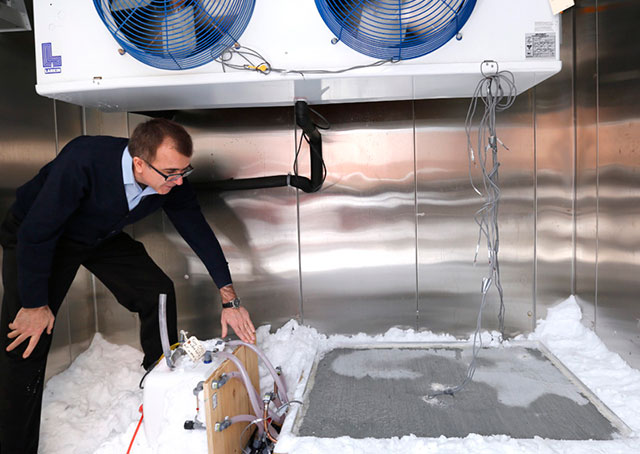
{"x": 137, "y": 164}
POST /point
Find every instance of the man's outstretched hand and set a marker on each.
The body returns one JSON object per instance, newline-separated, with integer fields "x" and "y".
{"x": 30, "y": 323}
{"x": 240, "y": 321}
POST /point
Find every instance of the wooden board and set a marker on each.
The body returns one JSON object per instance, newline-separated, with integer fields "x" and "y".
{"x": 230, "y": 400}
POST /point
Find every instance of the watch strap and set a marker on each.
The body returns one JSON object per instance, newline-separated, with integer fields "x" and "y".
{"x": 234, "y": 303}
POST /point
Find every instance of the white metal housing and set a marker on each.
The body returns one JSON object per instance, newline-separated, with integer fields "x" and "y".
{"x": 521, "y": 35}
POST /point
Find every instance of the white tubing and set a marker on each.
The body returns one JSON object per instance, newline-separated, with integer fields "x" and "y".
{"x": 164, "y": 334}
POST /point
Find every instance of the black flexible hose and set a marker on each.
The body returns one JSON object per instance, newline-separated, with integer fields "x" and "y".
{"x": 313, "y": 184}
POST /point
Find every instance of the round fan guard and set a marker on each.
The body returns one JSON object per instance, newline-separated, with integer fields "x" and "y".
{"x": 395, "y": 29}
{"x": 175, "y": 34}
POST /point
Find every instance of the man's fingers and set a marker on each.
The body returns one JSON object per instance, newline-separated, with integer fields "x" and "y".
{"x": 14, "y": 333}
{"x": 248, "y": 335}
{"x": 224, "y": 329}
{"x": 50, "y": 325}
{"x": 241, "y": 330}
{"x": 250, "y": 328}
{"x": 16, "y": 342}
{"x": 32, "y": 344}
{"x": 240, "y": 323}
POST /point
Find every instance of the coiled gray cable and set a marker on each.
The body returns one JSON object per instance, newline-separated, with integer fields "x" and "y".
{"x": 497, "y": 92}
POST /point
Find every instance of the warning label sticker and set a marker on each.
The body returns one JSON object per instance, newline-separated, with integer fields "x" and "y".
{"x": 540, "y": 45}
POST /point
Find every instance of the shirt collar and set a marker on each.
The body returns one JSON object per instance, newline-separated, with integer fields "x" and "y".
{"x": 127, "y": 168}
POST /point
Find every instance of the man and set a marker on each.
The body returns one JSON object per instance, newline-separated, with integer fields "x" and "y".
{"x": 72, "y": 213}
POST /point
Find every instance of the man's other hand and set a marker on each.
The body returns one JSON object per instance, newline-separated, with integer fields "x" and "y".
{"x": 240, "y": 321}
{"x": 30, "y": 323}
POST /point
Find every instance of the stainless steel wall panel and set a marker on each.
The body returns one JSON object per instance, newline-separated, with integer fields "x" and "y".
{"x": 68, "y": 123}
{"x": 26, "y": 119}
{"x": 585, "y": 80}
{"x": 358, "y": 234}
{"x": 448, "y": 282}
{"x": 106, "y": 123}
{"x": 555, "y": 153}
{"x": 115, "y": 322}
{"x": 618, "y": 312}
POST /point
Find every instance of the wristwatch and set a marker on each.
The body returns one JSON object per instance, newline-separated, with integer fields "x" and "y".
{"x": 234, "y": 303}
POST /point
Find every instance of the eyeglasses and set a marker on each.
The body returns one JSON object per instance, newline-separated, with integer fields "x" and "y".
{"x": 173, "y": 176}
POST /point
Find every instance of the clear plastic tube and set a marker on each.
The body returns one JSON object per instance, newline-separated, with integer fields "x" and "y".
{"x": 282, "y": 389}
{"x": 251, "y": 391}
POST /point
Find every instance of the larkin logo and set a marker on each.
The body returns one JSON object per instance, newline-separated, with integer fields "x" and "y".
{"x": 51, "y": 63}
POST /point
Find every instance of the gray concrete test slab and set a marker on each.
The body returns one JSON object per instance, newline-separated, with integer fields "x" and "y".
{"x": 384, "y": 392}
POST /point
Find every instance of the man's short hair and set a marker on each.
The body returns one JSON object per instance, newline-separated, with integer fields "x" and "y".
{"x": 148, "y": 136}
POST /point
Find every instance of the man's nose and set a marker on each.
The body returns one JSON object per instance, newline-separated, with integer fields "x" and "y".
{"x": 179, "y": 181}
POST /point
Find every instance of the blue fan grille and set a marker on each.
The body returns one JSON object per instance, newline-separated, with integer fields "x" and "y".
{"x": 175, "y": 34}
{"x": 395, "y": 29}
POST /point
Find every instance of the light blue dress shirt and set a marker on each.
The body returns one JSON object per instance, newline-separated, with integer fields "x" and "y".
{"x": 131, "y": 187}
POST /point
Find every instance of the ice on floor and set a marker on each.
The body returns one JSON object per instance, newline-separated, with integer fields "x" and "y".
{"x": 92, "y": 407}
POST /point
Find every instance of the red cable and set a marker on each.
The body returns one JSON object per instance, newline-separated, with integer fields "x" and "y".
{"x": 136, "y": 432}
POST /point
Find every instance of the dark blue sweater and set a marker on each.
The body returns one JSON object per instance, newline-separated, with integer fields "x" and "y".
{"x": 80, "y": 196}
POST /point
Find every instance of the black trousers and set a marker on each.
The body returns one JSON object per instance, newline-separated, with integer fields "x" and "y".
{"x": 124, "y": 266}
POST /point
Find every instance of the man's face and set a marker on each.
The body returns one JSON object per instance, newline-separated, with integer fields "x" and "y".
{"x": 168, "y": 161}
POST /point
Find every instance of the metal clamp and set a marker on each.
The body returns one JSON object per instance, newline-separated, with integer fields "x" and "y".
{"x": 217, "y": 384}
{"x": 220, "y": 426}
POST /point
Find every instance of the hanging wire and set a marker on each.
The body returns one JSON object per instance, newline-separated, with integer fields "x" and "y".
{"x": 254, "y": 61}
{"x": 497, "y": 92}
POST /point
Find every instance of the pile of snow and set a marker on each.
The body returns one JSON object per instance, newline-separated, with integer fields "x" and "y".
{"x": 92, "y": 407}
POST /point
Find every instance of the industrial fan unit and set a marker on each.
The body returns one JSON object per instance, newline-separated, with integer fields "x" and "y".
{"x": 132, "y": 55}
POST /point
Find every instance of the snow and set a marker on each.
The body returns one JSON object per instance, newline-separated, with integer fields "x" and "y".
{"x": 92, "y": 407}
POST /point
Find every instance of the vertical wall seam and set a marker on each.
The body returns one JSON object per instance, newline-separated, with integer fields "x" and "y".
{"x": 535, "y": 211}
{"x": 595, "y": 315}
{"x": 415, "y": 210}
{"x": 298, "y": 228}
{"x": 574, "y": 201}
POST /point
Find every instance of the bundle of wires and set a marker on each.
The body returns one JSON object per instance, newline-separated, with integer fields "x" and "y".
{"x": 497, "y": 92}
{"x": 252, "y": 60}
